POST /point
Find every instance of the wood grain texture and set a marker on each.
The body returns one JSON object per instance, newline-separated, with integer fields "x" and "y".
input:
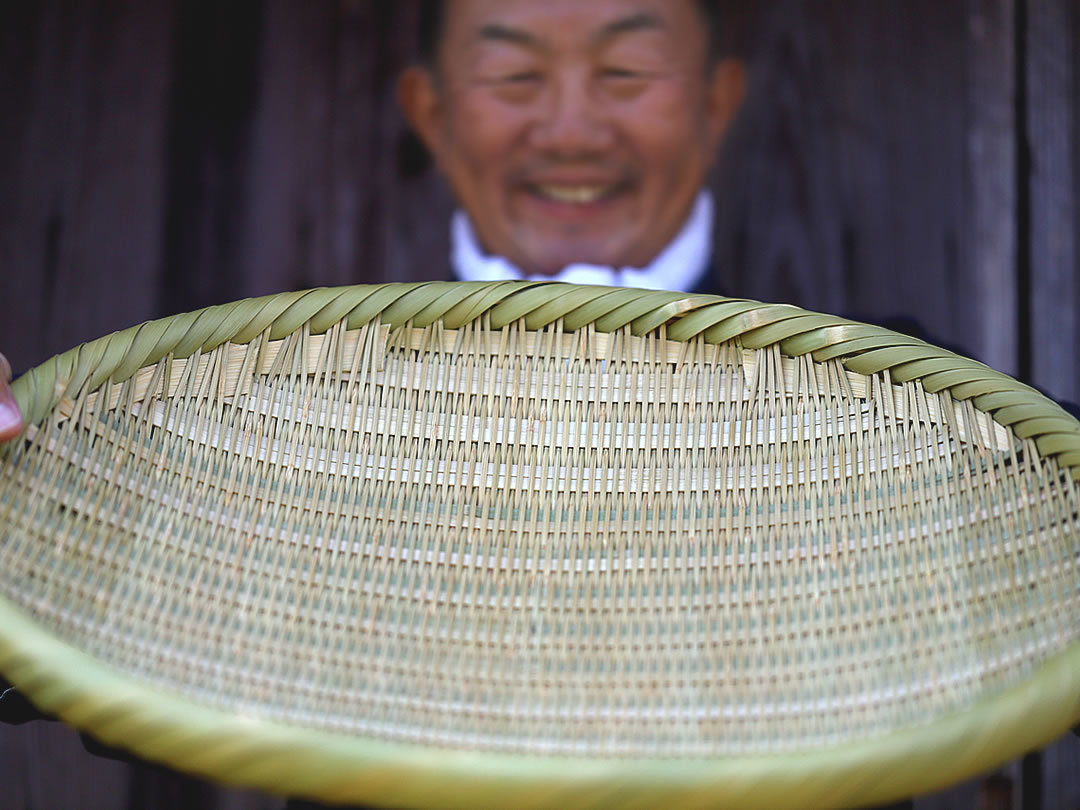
{"x": 1054, "y": 218}
{"x": 775, "y": 169}
{"x": 1061, "y": 765}
{"x": 209, "y": 142}
{"x": 328, "y": 205}
{"x": 84, "y": 177}
{"x": 990, "y": 281}
{"x": 45, "y": 766}
{"x": 843, "y": 185}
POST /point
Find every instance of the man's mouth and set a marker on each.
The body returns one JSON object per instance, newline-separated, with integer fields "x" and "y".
{"x": 575, "y": 194}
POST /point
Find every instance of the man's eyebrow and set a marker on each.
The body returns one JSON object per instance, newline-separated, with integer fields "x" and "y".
{"x": 503, "y": 33}
{"x": 642, "y": 21}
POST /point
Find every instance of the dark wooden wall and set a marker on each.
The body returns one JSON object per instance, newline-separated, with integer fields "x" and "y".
{"x": 895, "y": 157}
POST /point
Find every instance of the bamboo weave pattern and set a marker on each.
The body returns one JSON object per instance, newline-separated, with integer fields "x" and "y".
{"x": 497, "y": 533}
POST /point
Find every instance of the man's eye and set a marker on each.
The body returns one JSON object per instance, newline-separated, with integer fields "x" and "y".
{"x": 518, "y": 87}
{"x": 524, "y": 77}
{"x": 620, "y": 73}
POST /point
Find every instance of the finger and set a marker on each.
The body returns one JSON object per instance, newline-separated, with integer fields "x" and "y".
{"x": 11, "y": 421}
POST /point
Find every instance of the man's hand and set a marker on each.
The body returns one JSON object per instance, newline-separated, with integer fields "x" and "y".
{"x": 11, "y": 422}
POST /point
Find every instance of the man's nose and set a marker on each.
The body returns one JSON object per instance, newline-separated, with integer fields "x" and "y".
{"x": 572, "y": 120}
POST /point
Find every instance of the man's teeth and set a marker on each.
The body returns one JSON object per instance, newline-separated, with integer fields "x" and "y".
{"x": 574, "y": 194}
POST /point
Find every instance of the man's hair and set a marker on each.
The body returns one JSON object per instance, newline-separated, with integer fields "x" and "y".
{"x": 433, "y": 12}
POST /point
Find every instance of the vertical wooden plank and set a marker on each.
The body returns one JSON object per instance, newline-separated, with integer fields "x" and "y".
{"x": 773, "y": 187}
{"x": 363, "y": 204}
{"x": 165, "y": 789}
{"x": 235, "y": 799}
{"x": 42, "y": 178}
{"x": 65, "y": 775}
{"x": 992, "y": 283}
{"x": 1031, "y": 782}
{"x": 318, "y": 212}
{"x": 900, "y": 141}
{"x": 329, "y": 201}
{"x": 419, "y": 203}
{"x": 1052, "y": 135}
{"x": 842, "y": 186}
{"x": 211, "y": 107}
{"x": 962, "y": 795}
{"x": 45, "y": 766}
{"x": 1061, "y": 774}
{"x": 1000, "y": 790}
{"x": 14, "y": 770}
{"x": 307, "y": 171}
{"x": 85, "y": 196}
{"x": 19, "y": 36}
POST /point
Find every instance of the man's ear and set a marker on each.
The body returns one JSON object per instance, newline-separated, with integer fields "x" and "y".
{"x": 727, "y": 86}
{"x": 419, "y": 101}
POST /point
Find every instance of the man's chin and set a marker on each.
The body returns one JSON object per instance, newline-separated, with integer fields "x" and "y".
{"x": 548, "y": 272}
{"x": 553, "y": 265}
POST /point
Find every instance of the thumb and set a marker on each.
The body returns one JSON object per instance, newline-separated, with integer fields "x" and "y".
{"x": 11, "y": 422}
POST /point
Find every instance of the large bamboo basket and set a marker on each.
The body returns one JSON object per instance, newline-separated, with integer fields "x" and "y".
{"x": 514, "y": 545}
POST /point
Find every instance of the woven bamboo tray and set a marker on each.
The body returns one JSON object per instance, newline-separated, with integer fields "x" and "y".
{"x": 516, "y": 545}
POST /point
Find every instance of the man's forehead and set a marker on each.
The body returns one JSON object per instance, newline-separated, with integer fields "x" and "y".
{"x": 527, "y": 21}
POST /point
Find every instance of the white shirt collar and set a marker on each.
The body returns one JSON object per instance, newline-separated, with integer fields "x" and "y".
{"x": 679, "y": 266}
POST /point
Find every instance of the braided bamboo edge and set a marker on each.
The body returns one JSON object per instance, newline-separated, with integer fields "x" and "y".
{"x": 863, "y": 349}
{"x": 250, "y": 751}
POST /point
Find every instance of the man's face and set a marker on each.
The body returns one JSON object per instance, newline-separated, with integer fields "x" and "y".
{"x": 573, "y": 130}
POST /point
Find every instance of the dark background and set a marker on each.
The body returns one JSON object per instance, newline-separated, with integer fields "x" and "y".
{"x": 893, "y": 157}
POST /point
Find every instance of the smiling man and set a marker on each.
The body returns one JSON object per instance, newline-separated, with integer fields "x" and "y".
{"x": 575, "y": 135}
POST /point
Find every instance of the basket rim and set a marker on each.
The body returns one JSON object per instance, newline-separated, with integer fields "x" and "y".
{"x": 284, "y": 758}
{"x": 863, "y": 348}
